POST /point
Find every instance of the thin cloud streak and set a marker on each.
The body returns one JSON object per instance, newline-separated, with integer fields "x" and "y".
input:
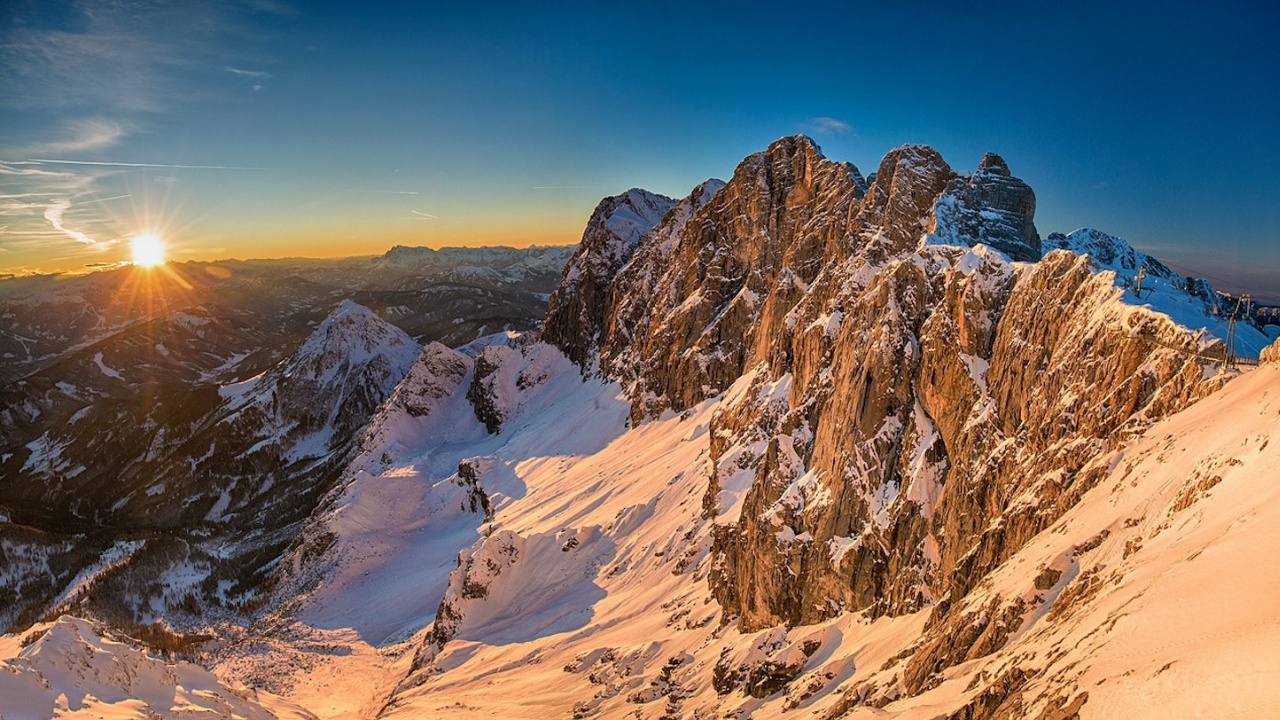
{"x": 53, "y": 214}
{"x": 429, "y": 216}
{"x": 257, "y": 74}
{"x": 46, "y": 161}
{"x": 108, "y": 199}
{"x": 828, "y": 126}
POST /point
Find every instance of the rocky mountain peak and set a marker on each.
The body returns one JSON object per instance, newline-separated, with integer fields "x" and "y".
{"x": 993, "y": 164}
{"x": 906, "y": 183}
{"x": 702, "y": 194}
{"x": 575, "y": 312}
{"x": 890, "y": 382}
{"x": 633, "y": 213}
{"x": 351, "y": 334}
{"x": 990, "y": 207}
{"x": 679, "y": 310}
{"x": 405, "y": 254}
{"x": 329, "y": 386}
{"x": 1108, "y": 251}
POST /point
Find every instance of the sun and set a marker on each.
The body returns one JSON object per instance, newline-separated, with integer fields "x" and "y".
{"x": 148, "y": 250}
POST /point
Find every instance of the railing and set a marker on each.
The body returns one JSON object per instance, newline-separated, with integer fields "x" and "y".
{"x": 1218, "y": 356}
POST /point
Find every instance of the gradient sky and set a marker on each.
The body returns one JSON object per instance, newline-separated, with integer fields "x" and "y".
{"x": 265, "y": 128}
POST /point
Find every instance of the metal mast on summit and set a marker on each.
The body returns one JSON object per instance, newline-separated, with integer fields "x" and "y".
{"x": 1242, "y": 301}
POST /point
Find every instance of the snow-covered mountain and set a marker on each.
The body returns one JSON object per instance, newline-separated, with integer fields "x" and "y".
{"x": 801, "y": 442}
{"x": 609, "y": 241}
{"x": 194, "y": 518}
{"x": 161, "y": 470}
{"x": 490, "y": 266}
{"x": 73, "y": 668}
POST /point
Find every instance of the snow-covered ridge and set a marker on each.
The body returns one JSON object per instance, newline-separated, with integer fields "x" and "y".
{"x": 575, "y": 310}
{"x": 507, "y": 262}
{"x": 1192, "y": 303}
{"x": 74, "y": 668}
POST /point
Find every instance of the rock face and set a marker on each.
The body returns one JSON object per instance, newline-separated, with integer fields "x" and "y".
{"x": 903, "y": 406}
{"x": 575, "y": 311}
{"x": 990, "y": 206}
{"x": 1271, "y": 354}
{"x": 722, "y": 274}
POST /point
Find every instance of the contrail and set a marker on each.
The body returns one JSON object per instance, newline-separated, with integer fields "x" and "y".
{"x": 139, "y": 165}
{"x": 116, "y": 197}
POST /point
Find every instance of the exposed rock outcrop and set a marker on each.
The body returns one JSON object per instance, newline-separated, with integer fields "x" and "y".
{"x": 723, "y": 275}
{"x": 1271, "y": 354}
{"x": 576, "y": 310}
{"x": 904, "y": 407}
{"x": 990, "y": 206}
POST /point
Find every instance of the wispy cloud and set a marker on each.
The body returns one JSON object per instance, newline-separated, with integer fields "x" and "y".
{"x": 53, "y": 214}
{"x": 126, "y": 58}
{"x": 256, "y": 74}
{"x": 107, "y": 199}
{"x": 102, "y": 163}
{"x": 82, "y": 136}
{"x": 828, "y": 126}
{"x": 425, "y": 216}
{"x": 41, "y": 202}
{"x": 113, "y": 71}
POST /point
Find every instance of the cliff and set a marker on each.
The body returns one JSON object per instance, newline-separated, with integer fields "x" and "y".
{"x": 903, "y": 403}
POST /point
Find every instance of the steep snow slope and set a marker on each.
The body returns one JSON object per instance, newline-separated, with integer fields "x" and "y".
{"x": 1156, "y": 595}
{"x": 372, "y": 567}
{"x": 585, "y": 592}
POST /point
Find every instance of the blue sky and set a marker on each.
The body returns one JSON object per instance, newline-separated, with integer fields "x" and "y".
{"x": 289, "y": 128}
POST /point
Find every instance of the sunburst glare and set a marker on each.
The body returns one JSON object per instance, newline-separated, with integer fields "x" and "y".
{"x": 148, "y": 250}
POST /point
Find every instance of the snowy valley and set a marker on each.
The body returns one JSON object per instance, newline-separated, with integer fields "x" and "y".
{"x": 801, "y": 444}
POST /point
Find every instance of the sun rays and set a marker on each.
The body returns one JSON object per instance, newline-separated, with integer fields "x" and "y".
{"x": 148, "y": 250}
